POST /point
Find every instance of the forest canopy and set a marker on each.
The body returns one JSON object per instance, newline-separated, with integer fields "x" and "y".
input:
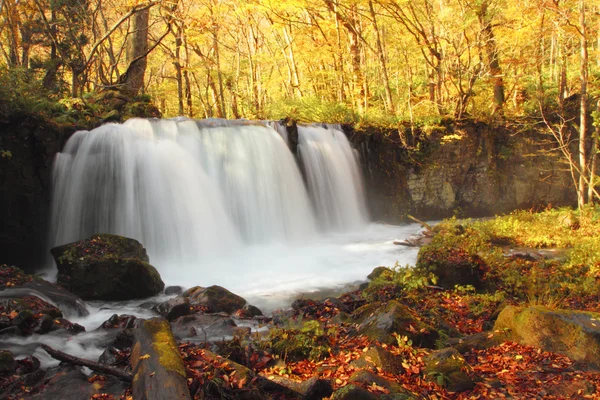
{"x": 333, "y": 60}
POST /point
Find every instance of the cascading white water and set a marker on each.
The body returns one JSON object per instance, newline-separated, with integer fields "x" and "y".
{"x": 279, "y": 128}
{"x": 131, "y": 180}
{"x": 186, "y": 190}
{"x": 334, "y": 178}
{"x": 257, "y": 175}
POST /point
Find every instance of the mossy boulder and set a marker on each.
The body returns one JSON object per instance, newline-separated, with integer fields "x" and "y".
{"x": 368, "y": 378}
{"x": 448, "y": 369}
{"x": 383, "y": 321}
{"x": 384, "y": 273}
{"x": 452, "y": 266}
{"x": 575, "y": 334}
{"x": 480, "y": 341}
{"x": 7, "y": 362}
{"x": 214, "y": 298}
{"x": 353, "y": 392}
{"x": 379, "y": 358}
{"x": 106, "y": 267}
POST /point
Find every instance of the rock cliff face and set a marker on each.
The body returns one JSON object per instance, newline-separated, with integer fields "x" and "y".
{"x": 464, "y": 169}
{"x": 28, "y": 146}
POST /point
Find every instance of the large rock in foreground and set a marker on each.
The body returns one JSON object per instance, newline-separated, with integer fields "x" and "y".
{"x": 106, "y": 267}
{"x": 383, "y": 322}
{"x": 575, "y": 334}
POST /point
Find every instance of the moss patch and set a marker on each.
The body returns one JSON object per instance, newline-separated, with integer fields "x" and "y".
{"x": 165, "y": 346}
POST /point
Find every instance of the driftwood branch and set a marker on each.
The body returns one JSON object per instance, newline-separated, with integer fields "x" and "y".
{"x": 95, "y": 366}
{"x": 418, "y": 221}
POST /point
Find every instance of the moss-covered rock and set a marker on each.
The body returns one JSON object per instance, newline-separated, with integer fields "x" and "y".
{"x": 106, "y": 267}
{"x": 380, "y": 272}
{"x": 448, "y": 369}
{"x": 575, "y": 334}
{"x": 215, "y": 298}
{"x": 452, "y": 266}
{"x": 7, "y": 362}
{"x": 383, "y": 321}
{"x": 353, "y": 392}
{"x": 480, "y": 341}
{"x": 367, "y": 378}
{"x": 379, "y": 358}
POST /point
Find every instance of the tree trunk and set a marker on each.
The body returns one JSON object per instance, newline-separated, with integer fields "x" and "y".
{"x": 593, "y": 162}
{"x": 137, "y": 50}
{"x": 350, "y": 24}
{"x": 389, "y": 105}
{"x": 293, "y": 68}
{"x": 584, "y": 107}
{"x": 178, "y": 68}
{"x": 492, "y": 55}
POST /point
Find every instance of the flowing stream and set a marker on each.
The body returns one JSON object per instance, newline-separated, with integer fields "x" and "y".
{"x": 219, "y": 203}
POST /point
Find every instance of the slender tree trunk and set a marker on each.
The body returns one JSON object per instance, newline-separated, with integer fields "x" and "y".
{"x": 178, "y": 68}
{"x": 350, "y": 24}
{"x": 294, "y": 76}
{"x": 593, "y": 162}
{"x": 389, "y": 104}
{"x": 492, "y": 55}
{"x": 583, "y": 166}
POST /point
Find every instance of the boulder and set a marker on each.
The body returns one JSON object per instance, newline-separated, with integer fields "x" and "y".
{"x": 17, "y": 284}
{"x": 379, "y": 358}
{"x": 575, "y": 334}
{"x": 67, "y": 302}
{"x": 203, "y": 327}
{"x": 383, "y": 272}
{"x": 479, "y": 341}
{"x": 367, "y": 378}
{"x": 353, "y": 392}
{"x": 448, "y": 369}
{"x": 7, "y": 362}
{"x": 26, "y": 315}
{"x": 452, "y": 266}
{"x": 68, "y": 382}
{"x": 383, "y": 321}
{"x": 171, "y": 290}
{"x": 214, "y": 299}
{"x": 310, "y": 389}
{"x": 174, "y": 308}
{"x": 106, "y": 267}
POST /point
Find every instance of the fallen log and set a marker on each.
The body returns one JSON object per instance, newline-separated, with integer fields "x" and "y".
{"x": 95, "y": 366}
{"x": 158, "y": 370}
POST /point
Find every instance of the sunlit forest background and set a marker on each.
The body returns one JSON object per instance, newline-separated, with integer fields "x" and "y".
{"x": 377, "y": 61}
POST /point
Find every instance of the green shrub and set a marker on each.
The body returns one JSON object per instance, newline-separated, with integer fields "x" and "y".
{"x": 311, "y": 109}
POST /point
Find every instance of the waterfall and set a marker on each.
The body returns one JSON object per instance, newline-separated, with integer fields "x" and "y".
{"x": 333, "y": 176}
{"x": 257, "y": 175}
{"x": 142, "y": 184}
{"x": 193, "y": 190}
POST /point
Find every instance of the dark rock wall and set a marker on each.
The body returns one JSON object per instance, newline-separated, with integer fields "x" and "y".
{"x": 25, "y": 177}
{"x": 464, "y": 169}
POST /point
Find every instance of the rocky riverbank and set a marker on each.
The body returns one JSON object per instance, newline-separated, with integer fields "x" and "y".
{"x": 485, "y": 313}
